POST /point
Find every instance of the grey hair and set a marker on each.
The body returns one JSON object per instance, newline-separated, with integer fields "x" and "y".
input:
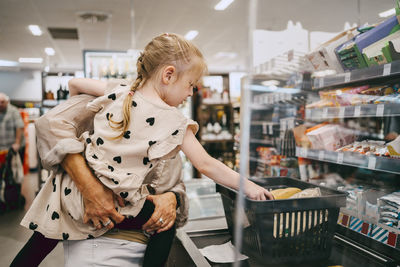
{"x": 5, "y": 96}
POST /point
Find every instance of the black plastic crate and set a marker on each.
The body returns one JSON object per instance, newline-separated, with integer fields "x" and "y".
{"x": 288, "y": 230}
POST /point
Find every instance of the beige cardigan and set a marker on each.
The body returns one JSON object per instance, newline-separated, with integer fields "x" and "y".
{"x": 57, "y": 135}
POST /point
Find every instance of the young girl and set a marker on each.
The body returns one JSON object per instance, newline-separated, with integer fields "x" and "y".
{"x": 135, "y": 127}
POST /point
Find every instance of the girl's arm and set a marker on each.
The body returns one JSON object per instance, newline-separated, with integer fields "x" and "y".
{"x": 218, "y": 171}
{"x": 87, "y": 86}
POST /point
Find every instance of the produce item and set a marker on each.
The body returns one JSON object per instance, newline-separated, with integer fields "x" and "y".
{"x": 394, "y": 147}
{"x": 329, "y": 136}
{"x": 285, "y": 193}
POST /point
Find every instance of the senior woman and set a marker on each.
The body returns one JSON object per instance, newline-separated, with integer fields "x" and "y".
{"x": 60, "y": 149}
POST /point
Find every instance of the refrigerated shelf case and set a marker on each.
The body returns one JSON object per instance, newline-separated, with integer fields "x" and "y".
{"x": 382, "y": 118}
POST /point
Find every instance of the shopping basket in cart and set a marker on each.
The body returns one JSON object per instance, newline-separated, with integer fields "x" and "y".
{"x": 287, "y": 230}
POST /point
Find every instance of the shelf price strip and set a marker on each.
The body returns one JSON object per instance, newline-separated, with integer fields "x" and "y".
{"x": 347, "y": 77}
{"x": 371, "y": 163}
{"x": 387, "y": 69}
{"x": 340, "y": 158}
{"x": 379, "y": 110}
{"x": 357, "y": 111}
{"x": 341, "y": 112}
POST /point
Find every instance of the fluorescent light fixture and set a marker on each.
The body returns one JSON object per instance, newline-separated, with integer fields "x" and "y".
{"x": 230, "y": 55}
{"x": 30, "y": 60}
{"x": 223, "y": 4}
{"x": 270, "y": 83}
{"x": 49, "y": 51}
{"x": 7, "y": 63}
{"x": 387, "y": 13}
{"x": 190, "y": 35}
{"x": 46, "y": 69}
{"x": 35, "y": 30}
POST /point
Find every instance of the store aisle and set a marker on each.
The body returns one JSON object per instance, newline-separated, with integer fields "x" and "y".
{"x": 13, "y": 236}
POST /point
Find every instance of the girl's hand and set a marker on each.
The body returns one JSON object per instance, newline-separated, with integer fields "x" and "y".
{"x": 164, "y": 209}
{"x": 256, "y": 192}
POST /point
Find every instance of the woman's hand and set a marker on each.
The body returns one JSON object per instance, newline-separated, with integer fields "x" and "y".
{"x": 164, "y": 209}
{"x": 256, "y": 192}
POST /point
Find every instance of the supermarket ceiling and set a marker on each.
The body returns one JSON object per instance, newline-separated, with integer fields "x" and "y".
{"x": 219, "y": 31}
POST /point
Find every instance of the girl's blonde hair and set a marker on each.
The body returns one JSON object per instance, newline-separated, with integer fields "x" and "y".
{"x": 165, "y": 49}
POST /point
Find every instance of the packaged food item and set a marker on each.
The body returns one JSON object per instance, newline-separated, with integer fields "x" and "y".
{"x": 284, "y": 193}
{"x": 309, "y": 192}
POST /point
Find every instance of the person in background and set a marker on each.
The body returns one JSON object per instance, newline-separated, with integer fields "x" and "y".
{"x": 11, "y": 128}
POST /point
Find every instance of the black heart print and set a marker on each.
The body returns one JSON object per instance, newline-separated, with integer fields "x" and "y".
{"x": 127, "y": 134}
{"x": 129, "y": 173}
{"x": 146, "y": 160}
{"x": 88, "y": 140}
{"x": 54, "y": 184}
{"x": 90, "y": 237}
{"x": 151, "y": 166}
{"x": 150, "y": 121}
{"x": 112, "y": 96}
{"x": 176, "y": 132}
{"x": 55, "y": 216}
{"x": 99, "y": 141}
{"x": 117, "y": 159}
{"x": 33, "y": 226}
{"x": 123, "y": 84}
{"x": 152, "y": 143}
{"x": 124, "y": 194}
{"x": 111, "y": 168}
{"x": 94, "y": 156}
{"x": 65, "y": 236}
{"x": 67, "y": 191}
{"x": 115, "y": 182}
{"x": 134, "y": 104}
{"x": 108, "y": 116}
{"x": 47, "y": 208}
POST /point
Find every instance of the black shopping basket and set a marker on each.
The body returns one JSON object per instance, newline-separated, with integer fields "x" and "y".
{"x": 288, "y": 230}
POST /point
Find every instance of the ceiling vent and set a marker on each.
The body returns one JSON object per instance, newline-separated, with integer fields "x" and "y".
{"x": 93, "y": 17}
{"x": 64, "y": 33}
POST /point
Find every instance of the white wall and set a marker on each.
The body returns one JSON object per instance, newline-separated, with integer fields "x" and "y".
{"x": 24, "y": 85}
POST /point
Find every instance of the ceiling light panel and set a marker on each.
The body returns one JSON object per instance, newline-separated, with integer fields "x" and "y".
{"x": 223, "y": 4}
{"x": 30, "y": 60}
{"x": 35, "y": 30}
{"x": 49, "y": 51}
{"x": 387, "y": 13}
{"x": 190, "y": 35}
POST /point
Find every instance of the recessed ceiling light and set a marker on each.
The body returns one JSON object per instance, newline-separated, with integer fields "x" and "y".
{"x": 223, "y": 4}
{"x": 35, "y": 30}
{"x": 8, "y": 63}
{"x": 387, "y": 13}
{"x": 190, "y": 35}
{"x": 30, "y": 60}
{"x": 230, "y": 55}
{"x": 49, "y": 51}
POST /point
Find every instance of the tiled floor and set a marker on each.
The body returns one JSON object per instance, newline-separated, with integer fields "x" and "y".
{"x": 13, "y": 236}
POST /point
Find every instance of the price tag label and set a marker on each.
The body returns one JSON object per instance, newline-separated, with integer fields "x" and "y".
{"x": 341, "y": 112}
{"x": 347, "y": 76}
{"x": 321, "y": 82}
{"x": 264, "y": 128}
{"x": 379, "y": 110}
{"x": 308, "y": 113}
{"x": 325, "y": 113}
{"x": 340, "y": 158}
{"x": 321, "y": 155}
{"x": 371, "y": 163}
{"x": 357, "y": 111}
{"x": 386, "y": 69}
{"x": 270, "y": 129}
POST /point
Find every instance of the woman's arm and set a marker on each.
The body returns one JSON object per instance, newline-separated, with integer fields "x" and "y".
{"x": 218, "y": 171}
{"x": 87, "y": 86}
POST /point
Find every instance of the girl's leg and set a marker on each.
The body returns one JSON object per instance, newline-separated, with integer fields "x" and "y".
{"x": 34, "y": 251}
{"x": 158, "y": 248}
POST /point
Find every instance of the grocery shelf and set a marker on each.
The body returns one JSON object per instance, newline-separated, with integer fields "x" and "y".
{"x": 369, "y": 220}
{"x": 52, "y": 102}
{"x": 368, "y": 110}
{"x": 371, "y": 74}
{"x": 256, "y": 160}
{"x": 262, "y": 141}
{"x": 354, "y": 159}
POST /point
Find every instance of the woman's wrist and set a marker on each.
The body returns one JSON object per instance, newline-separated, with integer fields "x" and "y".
{"x": 177, "y": 197}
